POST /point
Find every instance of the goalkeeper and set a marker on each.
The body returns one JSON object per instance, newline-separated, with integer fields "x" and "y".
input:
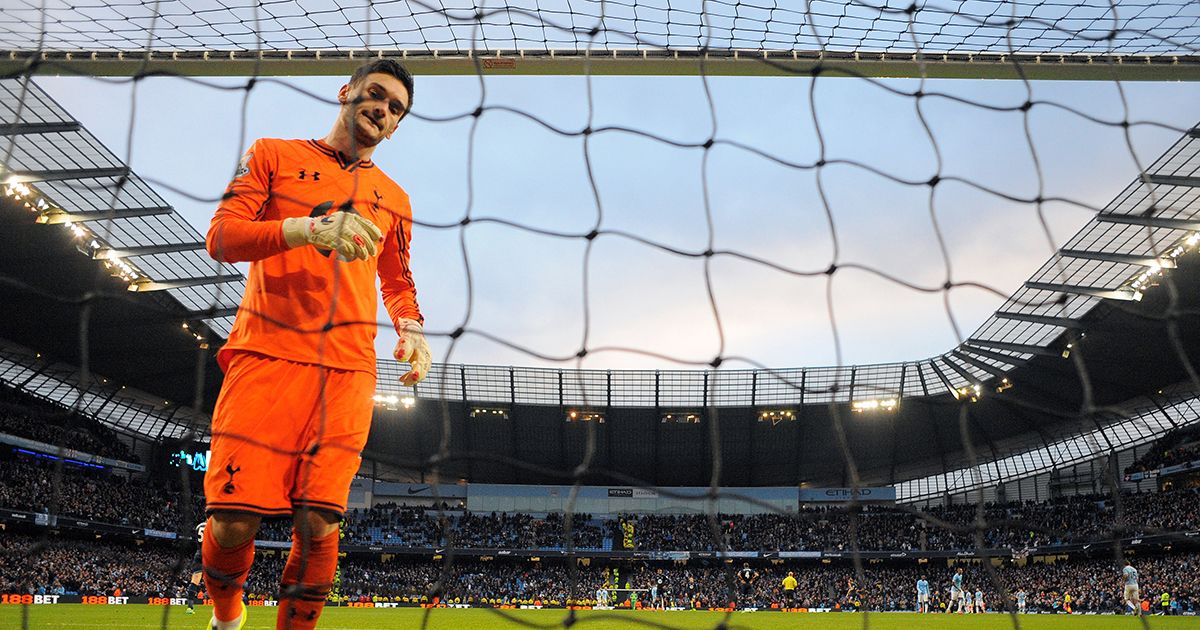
{"x": 318, "y": 221}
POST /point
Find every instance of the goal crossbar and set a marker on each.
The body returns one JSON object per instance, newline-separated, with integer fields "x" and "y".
{"x": 632, "y": 62}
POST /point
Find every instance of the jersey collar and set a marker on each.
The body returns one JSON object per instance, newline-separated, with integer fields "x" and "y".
{"x": 342, "y": 159}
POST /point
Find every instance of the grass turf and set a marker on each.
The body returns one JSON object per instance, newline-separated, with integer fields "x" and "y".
{"x": 141, "y": 617}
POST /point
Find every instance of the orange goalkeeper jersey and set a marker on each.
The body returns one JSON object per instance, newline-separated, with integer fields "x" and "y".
{"x": 302, "y": 304}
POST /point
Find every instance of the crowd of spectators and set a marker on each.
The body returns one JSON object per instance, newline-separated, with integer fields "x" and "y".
{"x": 390, "y": 525}
{"x": 22, "y": 417}
{"x": 66, "y": 567}
{"x": 394, "y": 525}
{"x": 506, "y": 531}
{"x": 1177, "y": 447}
{"x": 1083, "y": 518}
{"x": 1014, "y": 526}
{"x": 31, "y": 484}
{"x": 89, "y": 567}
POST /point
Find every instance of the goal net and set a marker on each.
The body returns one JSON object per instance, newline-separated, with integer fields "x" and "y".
{"x": 1054, "y": 404}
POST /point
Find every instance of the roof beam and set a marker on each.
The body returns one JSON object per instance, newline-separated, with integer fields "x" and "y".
{"x": 146, "y": 285}
{"x": 1174, "y": 180}
{"x": 36, "y": 374}
{"x": 1023, "y": 348}
{"x": 213, "y": 313}
{"x": 111, "y": 253}
{"x": 1129, "y": 259}
{"x": 983, "y": 365}
{"x": 20, "y": 129}
{"x": 1154, "y": 222}
{"x": 64, "y": 174}
{"x": 971, "y": 378}
{"x": 942, "y": 377}
{"x": 55, "y": 217}
{"x": 1049, "y": 320}
{"x": 1126, "y": 295}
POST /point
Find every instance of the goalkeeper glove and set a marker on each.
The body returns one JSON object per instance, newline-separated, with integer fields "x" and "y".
{"x": 413, "y": 350}
{"x": 350, "y": 234}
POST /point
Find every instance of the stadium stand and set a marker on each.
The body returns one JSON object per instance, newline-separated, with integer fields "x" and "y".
{"x": 22, "y": 416}
{"x": 86, "y": 568}
{"x": 89, "y": 567}
{"x": 1076, "y": 519}
{"x": 110, "y": 498}
{"x": 1177, "y": 447}
{"x": 89, "y": 494}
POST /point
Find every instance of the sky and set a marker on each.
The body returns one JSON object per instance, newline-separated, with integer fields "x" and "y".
{"x": 529, "y": 289}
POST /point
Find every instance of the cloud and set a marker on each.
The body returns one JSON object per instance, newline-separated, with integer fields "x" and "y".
{"x": 528, "y": 288}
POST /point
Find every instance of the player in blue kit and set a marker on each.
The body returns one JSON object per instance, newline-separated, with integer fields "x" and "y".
{"x": 922, "y": 595}
{"x": 1133, "y": 599}
{"x": 956, "y": 591}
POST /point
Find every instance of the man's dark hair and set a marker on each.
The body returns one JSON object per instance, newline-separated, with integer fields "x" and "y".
{"x": 386, "y": 66}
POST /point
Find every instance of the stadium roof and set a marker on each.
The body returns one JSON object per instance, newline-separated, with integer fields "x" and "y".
{"x": 98, "y": 268}
{"x": 86, "y": 236}
{"x": 128, "y": 409}
{"x": 1101, "y": 284}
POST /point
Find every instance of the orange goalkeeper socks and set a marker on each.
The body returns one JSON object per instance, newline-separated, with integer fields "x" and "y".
{"x": 225, "y": 570}
{"x": 307, "y": 578}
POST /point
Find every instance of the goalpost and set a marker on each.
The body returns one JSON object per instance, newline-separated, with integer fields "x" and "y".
{"x": 1039, "y": 40}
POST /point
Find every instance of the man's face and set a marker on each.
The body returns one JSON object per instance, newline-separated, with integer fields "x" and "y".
{"x": 372, "y": 108}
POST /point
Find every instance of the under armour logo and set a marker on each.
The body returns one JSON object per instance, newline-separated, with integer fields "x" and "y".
{"x": 228, "y": 487}
{"x": 316, "y": 175}
{"x": 293, "y": 613}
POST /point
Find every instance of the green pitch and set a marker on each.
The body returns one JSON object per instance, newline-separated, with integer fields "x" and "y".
{"x": 79, "y": 617}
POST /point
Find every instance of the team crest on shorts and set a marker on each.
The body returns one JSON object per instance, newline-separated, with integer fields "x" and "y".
{"x": 228, "y": 487}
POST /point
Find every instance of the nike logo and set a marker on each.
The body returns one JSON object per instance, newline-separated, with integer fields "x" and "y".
{"x": 418, "y": 490}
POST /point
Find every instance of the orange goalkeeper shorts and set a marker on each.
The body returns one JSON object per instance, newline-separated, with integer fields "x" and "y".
{"x": 286, "y": 435}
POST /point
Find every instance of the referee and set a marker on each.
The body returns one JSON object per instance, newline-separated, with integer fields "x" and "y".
{"x": 789, "y": 590}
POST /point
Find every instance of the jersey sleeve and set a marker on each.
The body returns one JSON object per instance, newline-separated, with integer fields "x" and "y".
{"x": 238, "y": 232}
{"x": 395, "y": 274}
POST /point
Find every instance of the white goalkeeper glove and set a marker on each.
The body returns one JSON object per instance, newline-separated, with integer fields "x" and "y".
{"x": 350, "y": 234}
{"x": 413, "y": 350}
